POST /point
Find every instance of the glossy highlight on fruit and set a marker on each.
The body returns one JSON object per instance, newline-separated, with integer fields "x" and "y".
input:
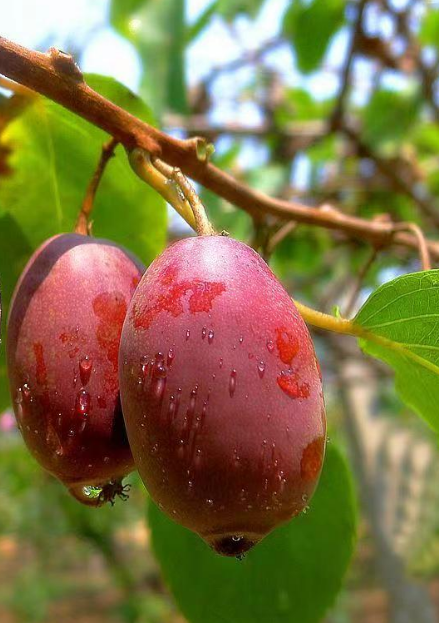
{"x": 221, "y": 393}
{"x": 63, "y": 337}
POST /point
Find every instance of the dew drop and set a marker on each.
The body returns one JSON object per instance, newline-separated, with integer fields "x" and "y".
{"x": 106, "y": 459}
{"x": 159, "y": 369}
{"x": 82, "y": 403}
{"x": 27, "y": 394}
{"x": 188, "y": 334}
{"x": 221, "y": 361}
{"x": 154, "y": 449}
{"x": 304, "y": 498}
{"x": 85, "y": 369}
{"x": 19, "y": 396}
{"x": 71, "y": 433}
{"x": 171, "y": 356}
{"x": 158, "y": 388}
{"x": 209, "y": 502}
{"x": 305, "y": 510}
{"x": 232, "y": 383}
{"x": 192, "y": 401}
{"x": 171, "y": 407}
{"x": 261, "y": 369}
{"x": 241, "y": 339}
{"x": 270, "y": 346}
{"x": 197, "y": 460}
{"x": 144, "y": 367}
{"x": 210, "y": 336}
{"x": 203, "y": 332}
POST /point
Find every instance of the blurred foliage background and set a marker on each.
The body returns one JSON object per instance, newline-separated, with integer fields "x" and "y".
{"x": 321, "y": 101}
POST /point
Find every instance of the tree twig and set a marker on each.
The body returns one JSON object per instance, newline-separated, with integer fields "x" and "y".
{"x": 83, "y": 221}
{"x": 56, "y": 76}
{"x": 424, "y": 253}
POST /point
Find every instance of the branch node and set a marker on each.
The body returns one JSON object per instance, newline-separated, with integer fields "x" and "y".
{"x": 65, "y": 64}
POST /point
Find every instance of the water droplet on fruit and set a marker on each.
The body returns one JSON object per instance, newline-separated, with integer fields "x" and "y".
{"x": 144, "y": 367}
{"x": 82, "y": 403}
{"x": 85, "y": 369}
{"x": 304, "y": 498}
{"x": 171, "y": 407}
{"x": 197, "y": 460}
{"x": 203, "y": 333}
{"x": 171, "y": 356}
{"x": 261, "y": 369}
{"x": 221, "y": 362}
{"x": 159, "y": 369}
{"x": 232, "y": 383}
{"x": 158, "y": 388}
{"x": 210, "y": 336}
{"x": 192, "y": 401}
{"x": 154, "y": 449}
{"x": 27, "y": 394}
{"x": 209, "y": 502}
{"x": 106, "y": 459}
{"x": 188, "y": 334}
{"x": 270, "y": 346}
{"x": 19, "y": 396}
{"x": 241, "y": 339}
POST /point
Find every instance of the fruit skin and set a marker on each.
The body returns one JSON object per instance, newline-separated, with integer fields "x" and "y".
{"x": 221, "y": 393}
{"x": 63, "y": 336}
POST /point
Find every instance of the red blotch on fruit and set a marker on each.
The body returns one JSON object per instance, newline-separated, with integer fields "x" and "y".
{"x": 312, "y": 459}
{"x": 289, "y": 382}
{"x": 169, "y": 275}
{"x": 41, "y": 370}
{"x": 201, "y": 300}
{"x": 71, "y": 340}
{"x": 287, "y": 345}
{"x": 111, "y": 309}
{"x": 135, "y": 282}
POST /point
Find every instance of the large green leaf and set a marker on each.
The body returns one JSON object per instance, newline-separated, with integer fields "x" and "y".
{"x": 310, "y": 27}
{"x": 15, "y": 250}
{"x": 157, "y": 29}
{"x": 293, "y": 576}
{"x": 51, "y": 157}
{"x": 401, "y": 320}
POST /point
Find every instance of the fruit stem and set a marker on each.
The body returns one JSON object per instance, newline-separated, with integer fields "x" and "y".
{"x": 83, "y": 223}
{"x": 202, "y": 224}
{"x": 327, "y": 322}
{"x": 140, "y": 161}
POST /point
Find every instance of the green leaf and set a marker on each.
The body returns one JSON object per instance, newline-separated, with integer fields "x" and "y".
{"x": 52, "y": 155}
{"x": 310, "y": 27}
{"x": 15, "y": 250}
{"x": 203, "y": 20}
{"x": 429, "y": 31}
{"x": 389, "y": 116}
{"x": 157, "y": 29}
{"x": 229, "y": 9}
{"x": 402, "y": 323}
{"x": 293, "y": 575}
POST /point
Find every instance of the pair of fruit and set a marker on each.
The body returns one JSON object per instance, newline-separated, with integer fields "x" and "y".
{"x": 207, "y": 358}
